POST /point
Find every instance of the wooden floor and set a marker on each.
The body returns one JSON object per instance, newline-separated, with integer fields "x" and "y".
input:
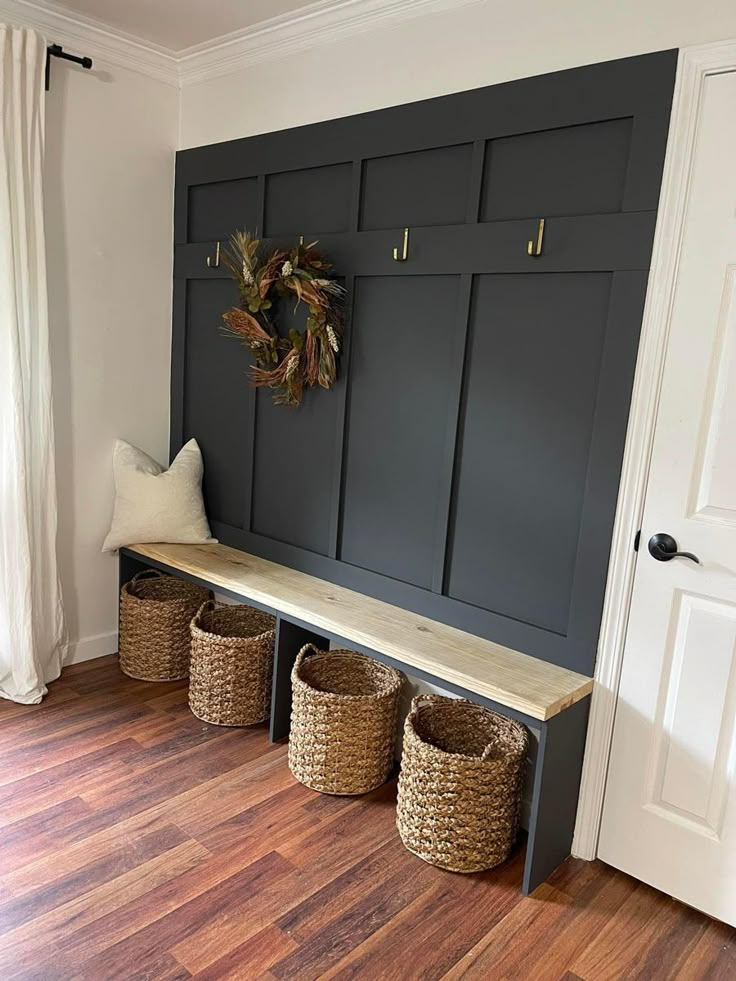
{"x": 139, "y": 843}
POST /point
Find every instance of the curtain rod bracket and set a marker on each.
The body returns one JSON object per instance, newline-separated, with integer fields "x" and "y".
{"x": 56, "y": 51}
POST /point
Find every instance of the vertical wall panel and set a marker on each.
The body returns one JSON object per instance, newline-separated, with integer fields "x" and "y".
{"x": 534, "y": 359}
{"x": 217, "y": 401}
{"x": 293, "y": 464}
{"x": 293, "y": 470}
{"x": 400, "y": 390}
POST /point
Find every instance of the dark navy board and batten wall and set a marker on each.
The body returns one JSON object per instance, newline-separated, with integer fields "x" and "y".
{"x": 466, "y": 464}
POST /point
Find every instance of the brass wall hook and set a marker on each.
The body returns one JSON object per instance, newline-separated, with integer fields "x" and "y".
{"x": 301, "y": 240}
{"x": 405, "y": 249}
{"x": 536, "y": 249}
{"x": 214, "y": 263}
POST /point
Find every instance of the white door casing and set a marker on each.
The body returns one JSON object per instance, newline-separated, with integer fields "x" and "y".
{"x": 695, "y": 65}
{"x": 669, "y": 813}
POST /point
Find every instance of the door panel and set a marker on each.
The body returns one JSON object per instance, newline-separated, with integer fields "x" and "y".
{"x": 576, "y": 170}
{"x": 397, "y": 423}
{"x": 535, "y": 352}
{"x": 220, "y": 417}
{"x": 670, "y": 808}
{"x": 691, "y": 760}
{"x": 716, "y": 488}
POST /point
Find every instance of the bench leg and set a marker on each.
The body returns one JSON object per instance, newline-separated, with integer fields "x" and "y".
{"x": 555, "y": 796}
{"x": 290, "y": 639}
{"x": 127, "y": 568}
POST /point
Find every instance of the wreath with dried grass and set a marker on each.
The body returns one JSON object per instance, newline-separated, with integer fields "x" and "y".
{"x": 289, "y": 364}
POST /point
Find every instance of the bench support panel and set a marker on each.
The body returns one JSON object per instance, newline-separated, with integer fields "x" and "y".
{"x": 290, "y": 638}
{"x": 555, "y": 795}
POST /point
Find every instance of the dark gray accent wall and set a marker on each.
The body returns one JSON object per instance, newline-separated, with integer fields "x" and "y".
{"x": 466, "y": 464}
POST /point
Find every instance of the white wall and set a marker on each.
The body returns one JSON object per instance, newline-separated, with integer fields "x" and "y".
{"x": 110, "y": 137}
{"x": 441, "y": 53}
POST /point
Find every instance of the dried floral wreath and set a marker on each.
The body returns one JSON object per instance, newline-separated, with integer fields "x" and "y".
{"x": 290, "y": 364}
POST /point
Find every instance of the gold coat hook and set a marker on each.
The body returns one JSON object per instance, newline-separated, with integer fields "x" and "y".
{"x": 533, "y": 249}
{"x": 301, "y": 240}
{"x": 213, "y": 264}
{"x": 405, "y": 249}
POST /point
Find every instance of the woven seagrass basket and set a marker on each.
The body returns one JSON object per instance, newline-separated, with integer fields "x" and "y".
{"x": 232, "y": 664}
{"x": 343, "y": 717}
{"x": 155, "y": 613}
{"x": 460, "y": 783}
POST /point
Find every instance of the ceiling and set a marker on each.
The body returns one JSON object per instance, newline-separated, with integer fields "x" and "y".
{"x": 179, "y": 24}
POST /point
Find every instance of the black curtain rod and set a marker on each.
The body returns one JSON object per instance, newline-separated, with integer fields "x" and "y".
{"x": 56, "y": 51}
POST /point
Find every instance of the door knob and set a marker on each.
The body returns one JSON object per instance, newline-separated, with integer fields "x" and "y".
{"x": 663, "y": 547}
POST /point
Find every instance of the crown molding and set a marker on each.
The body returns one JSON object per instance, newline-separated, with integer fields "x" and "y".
{"x": 317, "y": 23}
{"x": 91, "y": 37}
{"x": 278, "y": 37}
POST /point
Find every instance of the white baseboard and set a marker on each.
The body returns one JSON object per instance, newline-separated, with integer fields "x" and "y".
{"x": 89, "y": 648}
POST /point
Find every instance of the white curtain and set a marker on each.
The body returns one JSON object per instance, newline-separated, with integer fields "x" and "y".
{"x": 32, "y": 636}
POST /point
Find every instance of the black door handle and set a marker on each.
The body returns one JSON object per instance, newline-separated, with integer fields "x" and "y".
{"x": 663, "y": 547}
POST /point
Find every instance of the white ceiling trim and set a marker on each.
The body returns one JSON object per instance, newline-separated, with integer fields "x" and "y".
{"x": 318, "y": 23}
{"x": 277, "y": 37}
{"x": 87, "y": 37}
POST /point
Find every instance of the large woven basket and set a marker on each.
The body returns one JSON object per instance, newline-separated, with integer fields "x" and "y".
{"x": 460, "y": 783}
{"x": 343, "y": 718}
{"x": 155, "y": 613}
{"x": 232, "y": 664}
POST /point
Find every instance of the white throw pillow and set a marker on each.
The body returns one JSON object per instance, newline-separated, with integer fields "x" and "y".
{"x": 157, "y": 505}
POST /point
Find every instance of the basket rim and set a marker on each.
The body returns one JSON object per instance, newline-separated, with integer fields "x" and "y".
{"x": 213, "y": 638}
{"x": 517, "y": 756}
{"x": 191, "y": 587}
{"x": 242, "y": 609}
{"x": 395, "y": 676}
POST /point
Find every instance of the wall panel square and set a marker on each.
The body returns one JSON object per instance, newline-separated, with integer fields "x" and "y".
{"x": 574, "y": 170}
{"x": 426, "y": 187}
{"x": 216, "y": 210}
{"x": 315, "y": 200}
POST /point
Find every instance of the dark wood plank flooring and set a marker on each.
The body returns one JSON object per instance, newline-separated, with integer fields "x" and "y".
{"x": 137, "y": 842}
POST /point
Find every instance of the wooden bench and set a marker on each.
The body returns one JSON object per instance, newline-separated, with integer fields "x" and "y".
{"x": 549, "y": 699}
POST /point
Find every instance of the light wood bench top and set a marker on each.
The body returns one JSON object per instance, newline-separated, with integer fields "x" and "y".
{"x": 518, "y": 681}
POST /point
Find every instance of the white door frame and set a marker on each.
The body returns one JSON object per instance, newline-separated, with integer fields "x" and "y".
{"x": 693, "y": 67}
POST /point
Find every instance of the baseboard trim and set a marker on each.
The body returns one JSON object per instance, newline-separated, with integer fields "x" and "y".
{"x": 88, "y": 648}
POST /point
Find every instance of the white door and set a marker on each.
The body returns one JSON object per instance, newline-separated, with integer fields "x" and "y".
{"x": 669, "y": 813}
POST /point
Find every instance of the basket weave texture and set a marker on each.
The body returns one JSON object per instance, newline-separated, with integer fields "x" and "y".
{"x": 232, "y": 664}
{"x": 343, "y": 719}
{"x": 155, "y": 613}
{"x": 460, "y": 783}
